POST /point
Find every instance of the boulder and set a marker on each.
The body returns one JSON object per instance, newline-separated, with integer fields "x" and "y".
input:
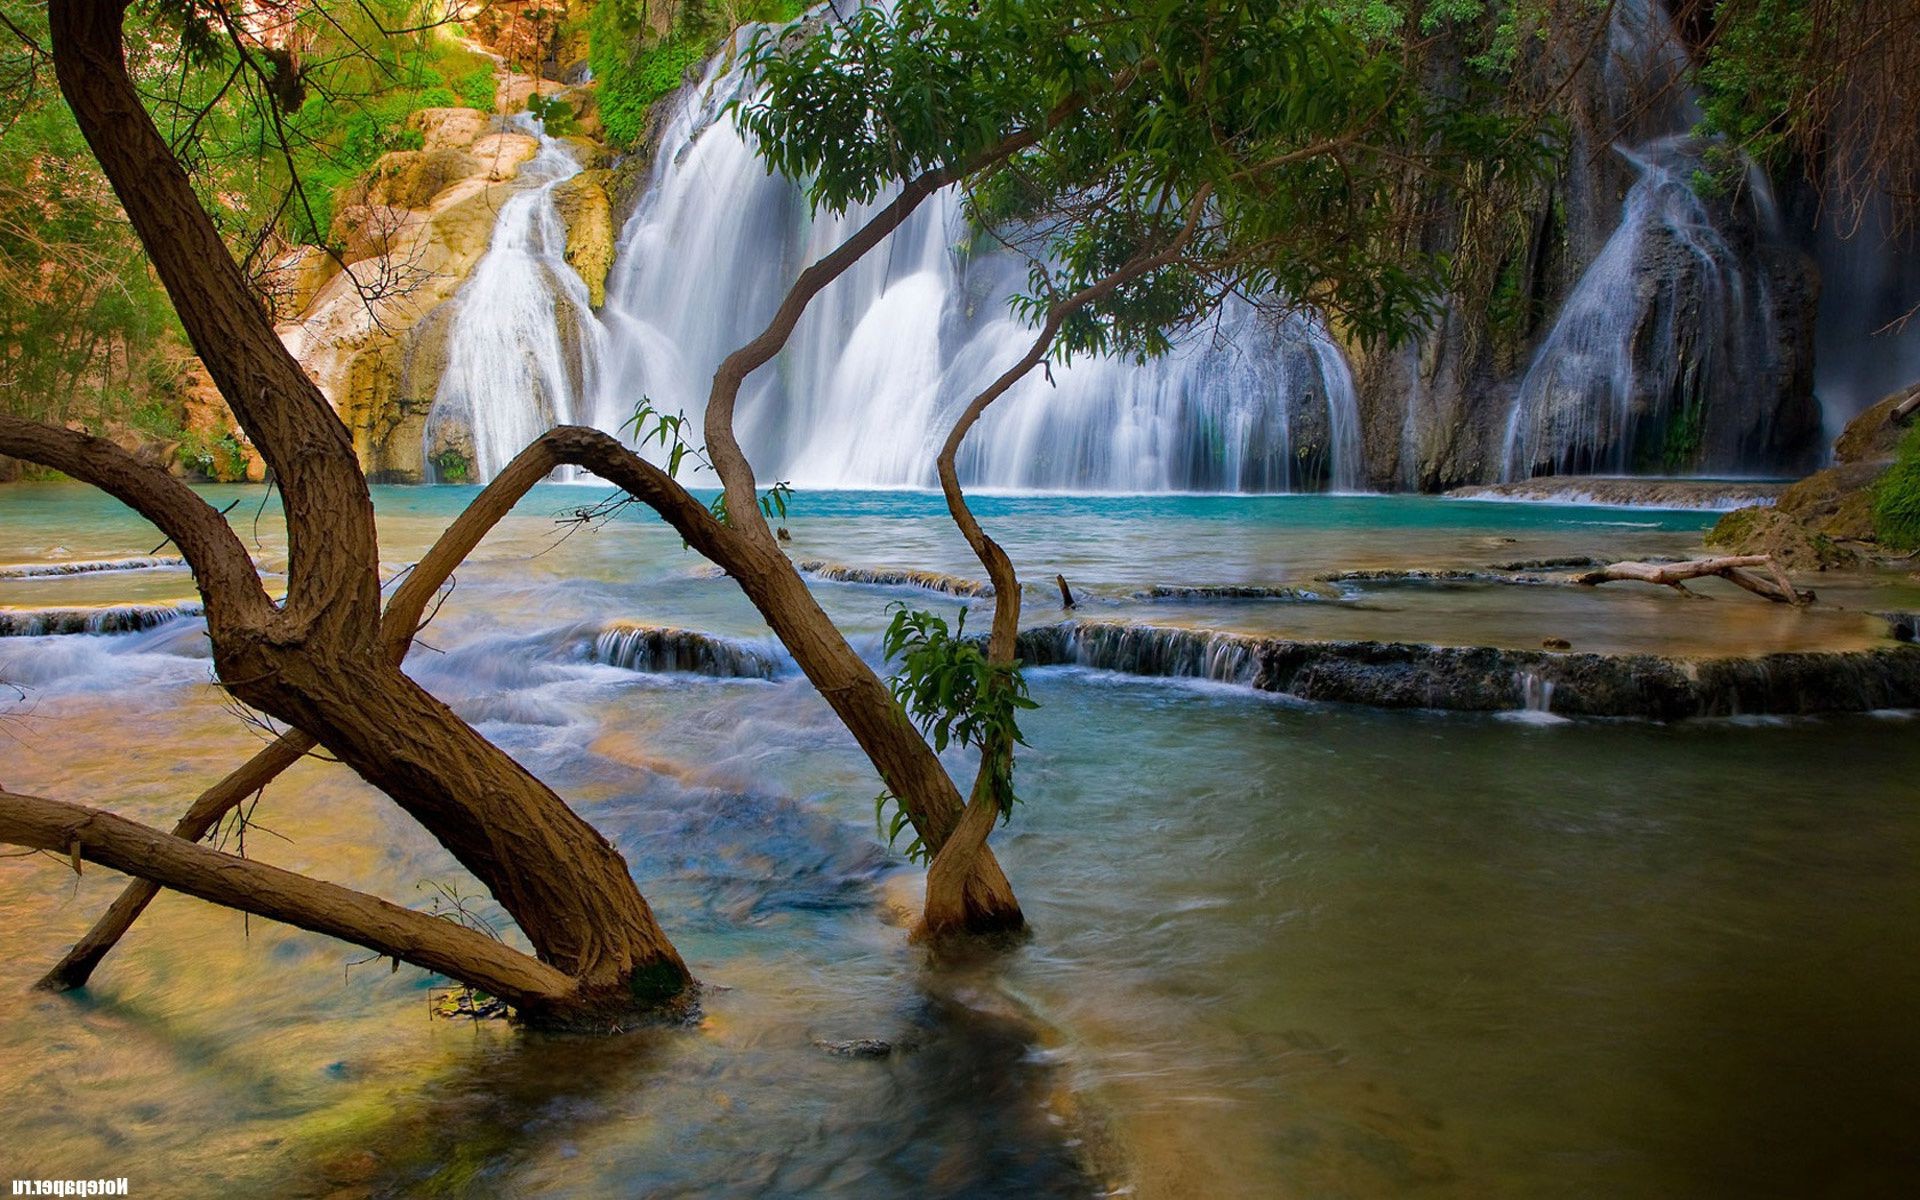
{"x": 588, "y": 213}
{"x": 502, "y": 153}
{"x": 412, "y": 178}
{"x": 1875, "y": 435}
{"x": 450, "y": 128}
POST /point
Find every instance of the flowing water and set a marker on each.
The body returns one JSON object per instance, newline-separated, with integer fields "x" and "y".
{"x": 1659, "y": 328}
{"x": 889, "y": 353}
{"x": 1670, "y": 323}
{"x": 1279, "y": 949}
{"x": 524, "y": 346}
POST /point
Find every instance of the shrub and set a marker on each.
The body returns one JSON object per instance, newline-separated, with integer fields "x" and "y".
{"x": 1896, "y": 499}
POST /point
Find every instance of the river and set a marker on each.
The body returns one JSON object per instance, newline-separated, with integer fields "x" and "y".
{"x": 1278, "y": 948}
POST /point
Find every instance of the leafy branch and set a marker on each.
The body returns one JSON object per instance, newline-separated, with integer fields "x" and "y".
{"x": 649, "y": 424}
{"x": 956, "y": 696}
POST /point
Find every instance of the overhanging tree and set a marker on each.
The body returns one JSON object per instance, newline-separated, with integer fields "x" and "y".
{"x": 1154, "y": 160}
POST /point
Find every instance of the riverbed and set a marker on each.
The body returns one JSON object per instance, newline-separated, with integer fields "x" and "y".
{"x": 1278, "y": 948}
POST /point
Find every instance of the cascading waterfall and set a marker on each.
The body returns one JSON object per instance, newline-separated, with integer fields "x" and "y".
{"x": 524, "y": 345}
{"x": 1660, "y": 322}
{"x": 885, "y": 357}
{"x": 1665, "y": 325}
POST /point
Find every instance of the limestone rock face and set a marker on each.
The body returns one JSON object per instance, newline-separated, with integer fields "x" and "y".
{"x": 450, "y": 128}
{"x": 210, "y": 425}
{"x": 410, "y": 179}
{"x": 588, "y": 213}
{"x": 374, "y": 336}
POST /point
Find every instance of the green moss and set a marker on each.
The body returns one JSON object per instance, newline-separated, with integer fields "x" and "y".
{"x": 451, "y": 466}
{"x": 1737, "y": 528}
{"x": 222, "y": 459}
{"x": 1896, "y": 499}
{"x": 655, "y": 984}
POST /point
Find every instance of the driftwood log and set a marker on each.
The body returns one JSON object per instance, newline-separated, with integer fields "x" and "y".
{"x": 1757, "y": 573}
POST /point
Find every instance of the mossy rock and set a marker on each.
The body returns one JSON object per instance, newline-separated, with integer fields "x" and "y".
{"x": 1762, "y": 530}
{"x": 412, "y": 178}
{"x": 1874, "y": 436}
{"x": 1837, "y": 502}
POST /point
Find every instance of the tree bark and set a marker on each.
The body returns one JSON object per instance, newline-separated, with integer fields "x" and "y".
{"x": 956, "y": 860}
{"x": 318, "y": 661}
{"x": 1736, "y": 569}
{"x": 398, "y": 626}
{"x": 254, "y": 887}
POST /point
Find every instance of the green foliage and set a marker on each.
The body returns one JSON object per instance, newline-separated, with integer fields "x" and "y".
{"x": 221, "y": 459}
{"x": 86, "y": 333}
{"x": 628, "y": 91}
{"x": 636, "y": 66}
{"x": 451, "y": 466}
{"x": 955, "y": 694}
{"x": 554, "y": 114}
{"x": 651, "y": 425}
{"x": 1896, "y": 499}
{"x": 274, "y": 139}
{"x": 1257, "y": 148}
{"x": 1755, "y": 78}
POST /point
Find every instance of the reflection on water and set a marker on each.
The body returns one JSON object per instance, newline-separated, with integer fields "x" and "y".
{"x": 1278, "y": 950}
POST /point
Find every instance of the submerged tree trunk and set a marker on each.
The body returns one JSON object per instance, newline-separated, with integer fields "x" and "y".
{"x": 318, "y": 660}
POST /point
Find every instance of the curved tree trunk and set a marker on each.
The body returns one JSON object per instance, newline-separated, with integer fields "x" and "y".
{"x": 317, "y": 661}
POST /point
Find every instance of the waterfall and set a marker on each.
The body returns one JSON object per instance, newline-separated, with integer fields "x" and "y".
{"x": 1658, "y": 327}
{"x": 524, "y": 345}
{"x": 654, "y": 650}
{"x": 887, "y": 355}
{"x": 1867, "y": 341}
{"x": 1668, "y": 334}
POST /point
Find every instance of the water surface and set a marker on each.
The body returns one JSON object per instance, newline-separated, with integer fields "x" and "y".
{"x": 1278, "y": 949}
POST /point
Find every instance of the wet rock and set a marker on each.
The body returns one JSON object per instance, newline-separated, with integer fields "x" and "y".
{"x": 857, "y": 1048}
{"x": 1230, "y": 591}
{"x": 932, "y": 581}
{"x": 588, "y": 214}
{"x": 1402, "y": 576}
{"x": 1570, "y": 562}
{"x": 653, "y": 650}
{"x": 114, "y": 618}
{"x": 1644, "y": 493}
{"x": 1904, "y": 626}
{"x": 1491, "y": 679}
{"x": 87, "y": 566}
{"x": 1555, "y": 643}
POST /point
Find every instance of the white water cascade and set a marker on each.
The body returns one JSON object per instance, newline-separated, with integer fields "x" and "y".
{"x": 1665, "y": 324}
{"x": 524, "y": 345}
{"x": 1661, "y": 317}
{"x": 885, "y": 357}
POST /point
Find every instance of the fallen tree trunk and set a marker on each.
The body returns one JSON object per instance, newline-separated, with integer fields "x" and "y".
{"x": 427, "y": 941}
{"x": 1739, "y": 569}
